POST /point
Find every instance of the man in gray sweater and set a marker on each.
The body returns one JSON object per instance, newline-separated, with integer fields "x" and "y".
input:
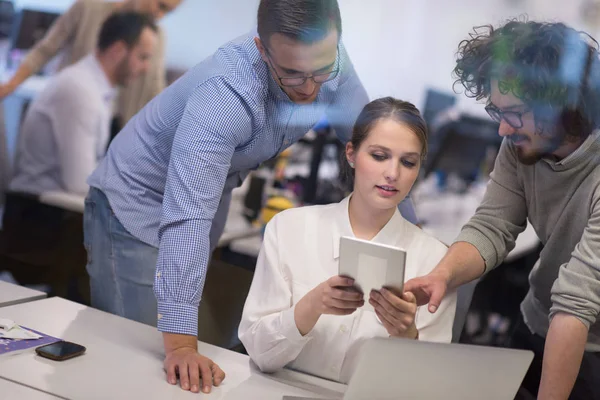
{"x": 542, "y": 84}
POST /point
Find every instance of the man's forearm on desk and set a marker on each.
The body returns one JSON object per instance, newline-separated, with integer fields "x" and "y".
{"x": 563, "y": 352}
{"x": 173, "y": 341}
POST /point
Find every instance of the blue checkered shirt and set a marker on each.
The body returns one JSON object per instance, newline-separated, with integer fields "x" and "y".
{"x": 165, "y": 173}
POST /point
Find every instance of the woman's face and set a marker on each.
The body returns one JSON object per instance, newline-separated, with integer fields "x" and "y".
{"x": 157, "y": 8}
{"x": 386, "y": 164}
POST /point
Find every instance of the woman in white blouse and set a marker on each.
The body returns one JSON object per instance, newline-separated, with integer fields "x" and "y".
{"x": 299, "y": 312}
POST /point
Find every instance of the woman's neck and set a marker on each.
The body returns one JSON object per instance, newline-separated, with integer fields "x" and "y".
{"x": 366, "y": 222}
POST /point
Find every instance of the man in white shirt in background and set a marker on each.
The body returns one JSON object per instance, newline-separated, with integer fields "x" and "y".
{"x": 66, "y": 129}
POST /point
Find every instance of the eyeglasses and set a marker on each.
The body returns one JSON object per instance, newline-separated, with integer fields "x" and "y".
{"x": 512, "y": 118}
{"x": 290, "y": 81}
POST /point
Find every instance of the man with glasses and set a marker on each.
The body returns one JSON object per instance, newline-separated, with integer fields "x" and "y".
{"x": 542, "y": 84}
{"x": 159, "y": 200}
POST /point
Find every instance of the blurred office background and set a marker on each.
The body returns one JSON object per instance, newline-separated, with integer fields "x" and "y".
{"x": 402, "y": 48}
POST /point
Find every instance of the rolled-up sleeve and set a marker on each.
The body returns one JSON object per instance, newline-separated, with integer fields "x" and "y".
{"x": 268, "y": 329}
{"x": 502, "y": 215}
{"x": 576, "y": 291}
{"x": 204, "y": 143}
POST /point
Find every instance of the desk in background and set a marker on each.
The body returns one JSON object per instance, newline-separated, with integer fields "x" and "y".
{"x": 14, "y": 294}
{"x": 124, "y": 360}
{"x": 236, "y": 227}
{"x": 445, "y": 213}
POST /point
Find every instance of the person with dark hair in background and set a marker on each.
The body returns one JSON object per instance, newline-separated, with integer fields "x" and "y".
{"x": 66, "y": 128}
{"x": 299, "y": 310}
{"x": 75, "y": 33}
{"x": 542, "y": 84}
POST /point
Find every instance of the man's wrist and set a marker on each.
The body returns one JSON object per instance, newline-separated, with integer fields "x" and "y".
{"x": 445, "y": 273}
{"x": 174, "y": 341}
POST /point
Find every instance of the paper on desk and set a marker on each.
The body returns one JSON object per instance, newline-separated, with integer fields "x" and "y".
{"x": 10, "y": 330}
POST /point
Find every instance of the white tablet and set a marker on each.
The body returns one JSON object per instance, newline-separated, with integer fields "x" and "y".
{"x": 372, "y": 265}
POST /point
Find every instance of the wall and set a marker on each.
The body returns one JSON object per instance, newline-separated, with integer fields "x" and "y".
{"x": 198, "y": 27}
{"x": 399, "y": 47}
{"x": 51, "y": 5}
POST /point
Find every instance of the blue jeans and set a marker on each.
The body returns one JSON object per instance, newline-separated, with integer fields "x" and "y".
{"x": 121, "y": 267}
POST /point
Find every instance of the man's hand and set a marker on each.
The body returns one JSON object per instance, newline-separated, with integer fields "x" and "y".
{"x": 430, "y": 288}
{"x": 182, "y": 358}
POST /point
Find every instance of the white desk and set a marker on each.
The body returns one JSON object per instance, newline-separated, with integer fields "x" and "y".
{"x": 124, "y": 361}
{"x": 14, "y": 294}
{"x": 14, "y": 391}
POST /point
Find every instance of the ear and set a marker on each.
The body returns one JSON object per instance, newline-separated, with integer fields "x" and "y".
{"x": 261, "y": 48}
{"x": 350, "y": 154}
{"x": 118, "y": 50}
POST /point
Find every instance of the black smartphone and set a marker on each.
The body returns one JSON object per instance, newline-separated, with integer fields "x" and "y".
{"x": 60, "y": 351}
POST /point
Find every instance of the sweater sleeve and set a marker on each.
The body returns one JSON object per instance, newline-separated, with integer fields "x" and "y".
{"x": 56, "y": 38}
{"x": 576, "y": 291}
{"x": 502, "y": 215}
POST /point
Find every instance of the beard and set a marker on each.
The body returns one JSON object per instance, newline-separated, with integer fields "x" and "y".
{"x": 529, "y": 157}
{"x": 122, "y": 74}
{"x": 533, "y": 155}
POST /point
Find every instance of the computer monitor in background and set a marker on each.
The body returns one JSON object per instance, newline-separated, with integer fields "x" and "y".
{"x": 436, "y": 102}
{"x": 7, "y": 18}
{"x": 464, "y": 146}
{"x": 30, "y": 27}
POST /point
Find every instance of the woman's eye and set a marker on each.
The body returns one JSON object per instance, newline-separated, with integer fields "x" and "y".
{"x": 408, "y": 164}
{"x": 379, "y": 157}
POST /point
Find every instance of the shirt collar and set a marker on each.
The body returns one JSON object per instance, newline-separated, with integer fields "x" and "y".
{"x": 274, "y": 87}
{"x": 107, "y": 89}
{"x": 389, "y": 234}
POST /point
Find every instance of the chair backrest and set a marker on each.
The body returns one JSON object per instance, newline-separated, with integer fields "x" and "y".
{"x": 464, "y": 294}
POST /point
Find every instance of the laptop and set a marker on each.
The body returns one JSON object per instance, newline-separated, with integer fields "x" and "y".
{"x": 392, "y": 368}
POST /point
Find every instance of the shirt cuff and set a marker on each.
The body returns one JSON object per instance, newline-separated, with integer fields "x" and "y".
{"x": 483, "y": 244}
{"x": 289, "y": 330}
{"x": 178, "y": 318}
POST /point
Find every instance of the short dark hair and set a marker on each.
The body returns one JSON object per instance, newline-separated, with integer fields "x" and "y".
{"x": 124, "y": 26}
{"x": 551, "y": 67}
{"x": 377, "y": 110}
{"x": 306, "y": 21}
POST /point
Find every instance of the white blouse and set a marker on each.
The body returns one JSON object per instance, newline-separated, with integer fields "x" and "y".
{"x": 300, "y": 251}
